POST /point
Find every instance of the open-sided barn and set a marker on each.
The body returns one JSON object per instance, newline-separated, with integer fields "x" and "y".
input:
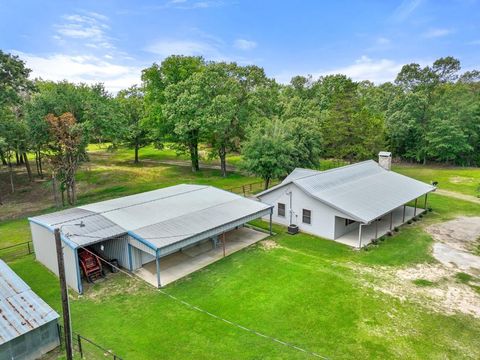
{"x": 141, "y": 231}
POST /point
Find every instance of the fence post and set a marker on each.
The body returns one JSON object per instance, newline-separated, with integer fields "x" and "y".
{"x": 28, "y": 245}
{"x": 243, "y": 188}
{"x": 79, "y": 339}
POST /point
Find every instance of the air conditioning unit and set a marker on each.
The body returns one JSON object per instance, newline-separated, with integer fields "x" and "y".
{"x": 292, "y": 229}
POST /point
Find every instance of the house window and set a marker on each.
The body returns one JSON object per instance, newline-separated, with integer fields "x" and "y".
{"x": 349, "y": 222}
{"x": 281, "y": 209}
{"x": 306, "y": 216}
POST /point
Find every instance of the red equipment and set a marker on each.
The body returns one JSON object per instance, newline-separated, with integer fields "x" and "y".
{"x": 91, "y": 266}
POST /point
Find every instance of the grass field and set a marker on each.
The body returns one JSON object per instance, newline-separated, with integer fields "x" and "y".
{"x": 313, "y": 293}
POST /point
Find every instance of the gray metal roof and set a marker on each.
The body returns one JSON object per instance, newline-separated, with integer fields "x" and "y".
{"x": 364, "y": 191}
{"x": 164, "y": 214}
{"x": 21, "y": 310}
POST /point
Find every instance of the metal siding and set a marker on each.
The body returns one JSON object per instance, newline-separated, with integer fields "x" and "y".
{"x": 116, "y": 248}
{"x": 21, "y": 309}
{"x": 141, "y": 246}
{"x": 44, "y": 246}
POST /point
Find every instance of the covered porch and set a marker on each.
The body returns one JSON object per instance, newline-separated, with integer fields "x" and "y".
{"x": 364, "y": 234}
{"x": 174, "y": 266}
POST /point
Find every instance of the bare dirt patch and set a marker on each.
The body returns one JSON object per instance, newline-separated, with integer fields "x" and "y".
{"x": 269, "y": 245}
{"x": 442, "y": 294}
{"x": 457, "y": 241}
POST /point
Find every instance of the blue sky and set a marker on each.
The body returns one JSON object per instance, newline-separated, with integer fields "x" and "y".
{"x": 111, "y": 41}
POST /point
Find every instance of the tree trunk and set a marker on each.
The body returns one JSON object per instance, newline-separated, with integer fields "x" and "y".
{"x": 222, "y": 153}
{"x": 17, "y": 158}
{"x": 10, "y": 169}
{"x": 193, "y": 147}
{"x": 267, "y": 182}
{"x": 136, "y": 153}
{"x": 4, "y": 161}
{"x": 40, "y": 164}
{"x": 73, "y": 186}
{"x": 55, "y": 191}
{"x": 27, "y": 166}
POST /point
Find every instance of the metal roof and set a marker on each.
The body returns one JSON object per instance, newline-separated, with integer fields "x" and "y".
{"x": 364, "y": 191}
{"x": 21, "y": 310}
{"x": 163, "y": 213}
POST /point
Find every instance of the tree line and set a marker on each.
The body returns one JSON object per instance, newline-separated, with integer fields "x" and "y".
{"x": 429, "y": 113}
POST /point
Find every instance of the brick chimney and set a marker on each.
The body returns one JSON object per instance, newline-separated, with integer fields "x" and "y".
{"x": 385, "y": 159}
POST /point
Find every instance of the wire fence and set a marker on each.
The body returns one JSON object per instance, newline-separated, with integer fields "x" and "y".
{"x": 13, "y": 252}
{"x": 252, "y": 188}
{"x": 84, "y": 348}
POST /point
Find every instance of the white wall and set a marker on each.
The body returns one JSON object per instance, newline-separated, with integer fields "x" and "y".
{"x": 46, "y": 253}
{"x": 323, "y": 221}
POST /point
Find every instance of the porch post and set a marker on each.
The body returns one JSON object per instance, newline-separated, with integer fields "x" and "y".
{"x": 360, "y": 236}
{"x": 376, "y": 228}
{"x": 223, "y": 242}
{"x": 403, "y": 217}
{"x": 157, "y": 261}
{"x": 415, "y": 210}
{"x": 271, "y": 213}
{"x": 391, "y": 220}
{"x": 425, "y": 205}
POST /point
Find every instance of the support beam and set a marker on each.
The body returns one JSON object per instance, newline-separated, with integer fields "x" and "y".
{"x": 391, "y": 221}
{"x": 157, "y": 261}
{"x": 270, "y": 226}
{"x": 223, "y": 242}
{"x": 360, "y": 236}
{"x": 415, "y": 210}
{"x": 425, "y": 204}
{"x": 376, "y": 228}
{"x": 403, "y": 216}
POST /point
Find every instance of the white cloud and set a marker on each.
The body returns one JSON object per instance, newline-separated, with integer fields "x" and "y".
{"x": 244, "y": 44}
{"x": 383, "y": 41}
{"x": 88, "y": 26}
{"x": 405, "y": 9}
{"x": 439, "y": 32}
{"x": 208, "y": 47}
{"x": 364, "y": 68}
{"x": 83, "y": 68}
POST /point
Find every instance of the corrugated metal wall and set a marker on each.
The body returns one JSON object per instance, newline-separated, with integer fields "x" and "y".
{"x": 33, "y": 344}
{"x": 139, "y": 258}
{"x": 116, "y": 248}
{"x": 44, "y": 245}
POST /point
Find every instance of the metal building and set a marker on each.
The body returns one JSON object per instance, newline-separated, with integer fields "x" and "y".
{"x": 28, "y": 326}
{"x": 140, "y": 230}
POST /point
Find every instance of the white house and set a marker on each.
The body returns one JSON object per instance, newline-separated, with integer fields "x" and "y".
{"x": 351, "y": 204}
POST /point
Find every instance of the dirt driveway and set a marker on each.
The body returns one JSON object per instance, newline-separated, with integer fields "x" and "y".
{"x": 457, "y": 243}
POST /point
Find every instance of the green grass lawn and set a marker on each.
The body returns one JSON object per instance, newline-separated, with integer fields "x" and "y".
{"x": 306, "y": 291}
{"x": 463, "y": 180}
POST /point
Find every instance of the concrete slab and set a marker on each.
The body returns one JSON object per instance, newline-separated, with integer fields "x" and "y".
{"x": 183, "y": 263}
{"x": 368, "y": 231}
{"x": 455, "y": 258}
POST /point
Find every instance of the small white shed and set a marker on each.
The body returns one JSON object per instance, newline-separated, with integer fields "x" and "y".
{"x": 352, "y": 204}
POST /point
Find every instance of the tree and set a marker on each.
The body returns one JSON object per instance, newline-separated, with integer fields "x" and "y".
{"x": 166, "y": 86}
{"x": 66, "y": 148}
{"x": 135, "y": 134}
{"x": 267, "y": 152}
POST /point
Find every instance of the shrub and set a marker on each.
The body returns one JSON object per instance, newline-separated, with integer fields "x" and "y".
{"x": 396, "y": 229}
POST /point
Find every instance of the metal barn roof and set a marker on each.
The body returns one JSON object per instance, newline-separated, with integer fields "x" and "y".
{"x": 364, "y": 191}
{"x": 168, "y": 215}
{"x": 21, "y": 310}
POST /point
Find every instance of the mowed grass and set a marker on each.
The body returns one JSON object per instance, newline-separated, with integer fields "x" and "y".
{"x": 462, "y": 180}
{"x": 306, "y": 291}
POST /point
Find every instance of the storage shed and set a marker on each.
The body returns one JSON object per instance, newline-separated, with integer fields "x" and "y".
{"x": 28, "y": 326}
{"x": 352, "y": 204}
{"x": 143, "y": 229}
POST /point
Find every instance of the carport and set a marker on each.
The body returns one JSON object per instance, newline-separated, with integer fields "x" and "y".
{"x": 186, "y": 261}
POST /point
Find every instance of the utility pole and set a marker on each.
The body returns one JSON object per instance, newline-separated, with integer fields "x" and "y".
{"x": 63, "y": 287}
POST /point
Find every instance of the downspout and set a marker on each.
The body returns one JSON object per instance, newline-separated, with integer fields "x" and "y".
{"x": 157, "y": 261}
{"x": 360, "y": 236}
